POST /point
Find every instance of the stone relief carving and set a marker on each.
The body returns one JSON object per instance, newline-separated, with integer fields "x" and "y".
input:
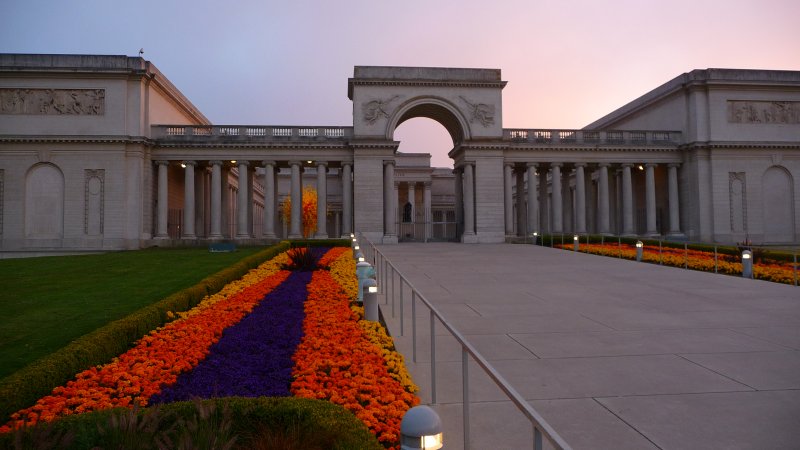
{"x": 481, "y": 112}
{"x": 376, "y": 109}
{"x": 94, "y": 193}
{"x": 90, "y": 102}
{"x": 737, "y": 188}
{"x": 763, "y": 112}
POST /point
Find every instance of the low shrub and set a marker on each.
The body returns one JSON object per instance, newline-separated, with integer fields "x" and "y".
{"x": 24, "y": 387}
{"x": 233, "y": 422}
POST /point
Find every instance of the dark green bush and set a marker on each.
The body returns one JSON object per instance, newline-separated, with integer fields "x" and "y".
{"x": 22, "y": 388}
{"x": 235, "y": 422}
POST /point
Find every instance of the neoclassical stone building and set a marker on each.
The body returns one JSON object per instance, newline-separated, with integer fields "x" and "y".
{"x": 103, "y": 152}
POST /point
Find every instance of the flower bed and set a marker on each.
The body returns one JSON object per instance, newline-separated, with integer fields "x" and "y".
{"x": 272, "y": 333}
{"x": 693, "y": 259}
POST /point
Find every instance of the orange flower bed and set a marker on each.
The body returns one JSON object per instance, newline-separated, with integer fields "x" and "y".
{"x": 156, "y": 360}
{"x": 337, "y": 362}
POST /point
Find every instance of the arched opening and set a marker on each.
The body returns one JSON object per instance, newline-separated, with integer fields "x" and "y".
{"x": 44, "y": 202}
{"x": 778, "y": 201}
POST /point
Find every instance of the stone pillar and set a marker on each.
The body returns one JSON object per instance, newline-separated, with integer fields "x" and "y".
{"x": 322, "y": 200}
{"x": 533, "y": 202}
{"x": 507, "y": 195}
{"x": 566, "y": 208}
{"x": 426, "y": 205}
{"x": 603, "y": 213}
{"x": 296, "y": 223}
{"x": 163, "y": 200}
{"x": 242, "y": 203}
{"x": 268, "y": 227}
{"x": 580, "y": 198}
{"x": 469, "y": 204}
{"x": 347, "y": 199}
{"x": 627, "y": 201}
{"x": 188, "y": 200}
{"x": 650, "y": 198}
{"x": 459, "y": 194}
{"x": 544, "y": 209}
{"x": 389, "y": 197}
{"x": 412, "y": 198}
{"x": 216, "y": 200}
{"x": 521, "y": 221}
{"x": 674, "y": 208}
{"x": 556, "y": 203}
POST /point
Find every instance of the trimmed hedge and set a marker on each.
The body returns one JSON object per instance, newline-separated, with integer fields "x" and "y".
{"x": 24, "y": 387}
{"x": 278, "y": 422}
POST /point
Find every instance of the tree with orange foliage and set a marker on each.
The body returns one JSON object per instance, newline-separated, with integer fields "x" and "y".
{"x": 308, "y": 211}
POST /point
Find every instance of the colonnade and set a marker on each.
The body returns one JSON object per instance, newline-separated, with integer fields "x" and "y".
{"x": 245, "y": 201}
{"x": 550, "y": 197}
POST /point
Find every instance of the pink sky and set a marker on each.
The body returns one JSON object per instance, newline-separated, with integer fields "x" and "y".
{"x": 567, "y": 63}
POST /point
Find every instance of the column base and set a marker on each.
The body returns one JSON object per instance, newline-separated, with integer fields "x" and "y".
{"x": 295, "y": 236}
{"x": 270, "y": 236}
{"x": 189, "y": 236}
{"x": 161, "y": 236}
{"x": 321, "y": 236}
{"x": 389, "y": 239}
{"x": 469, "y": 238}
{"x": 243, "y": 236}
{"x": 676, "y": 235}
{"x": 214, "y": 237}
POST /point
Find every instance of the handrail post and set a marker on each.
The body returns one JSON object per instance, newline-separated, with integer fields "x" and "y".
{"x": 393, "y": 277}
{"x": 433, "y": 357}
{"x": 413, "y": 325}
{"x": 795, "y": 268}
{"x": 537, "y": 438}
{"x": 401, "y": 304}
{"x": 465, "y": 386}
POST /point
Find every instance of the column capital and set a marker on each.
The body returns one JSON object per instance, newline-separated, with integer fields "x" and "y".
{"x": 603, "y": 164}
{"x": 676, "y": 165}
{"x": 508, "y": 164}
{"x": 189, "y": 163}
{"x": 215, "y": 162}
{"x": 388, "y": 162}
{"x": 628, "y": 165}
{"x": 268, "y": 162}
{"x": 347, "y": 164}
{"x": 651, "y": 164}
{"x": 532, "y": 164}
{"x": 556, "y": 164}
{"x": 427, "y": 184}
{"x": 323, "y": 165}
{"x": 579, "y": 164}
{"x": 161, "y": 162}
{"x": 296, "y": 163}
{"x": 243, "y": 163}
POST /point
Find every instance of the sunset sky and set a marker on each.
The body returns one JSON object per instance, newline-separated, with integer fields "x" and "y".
{"x": 567, "y": 63}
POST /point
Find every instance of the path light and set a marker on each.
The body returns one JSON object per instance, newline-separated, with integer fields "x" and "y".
{"x": 363, "y": 270}
{"x": 639, "y": 250}
{"x": 352, "y": 235}
{"x": 747, "y": 264}
{"x": 421, "y": 428}
{"x": 370, "y": 295}
{"x": 535, "y": 237}
{"x": 576, "y": 243}
{"x": 358, "y": 256}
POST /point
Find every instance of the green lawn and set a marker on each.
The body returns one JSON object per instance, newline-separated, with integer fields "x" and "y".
{"x": 47, "y": 302}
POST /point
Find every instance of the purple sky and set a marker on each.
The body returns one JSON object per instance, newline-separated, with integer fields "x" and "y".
{"x": 567, "y": 63}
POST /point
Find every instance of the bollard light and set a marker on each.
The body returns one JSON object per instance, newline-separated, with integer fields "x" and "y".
{"x": 421, "y": 428}
{"x": 747, "y": 264}
{"x": 370, "y": 295}
{"x": 639, "y": 250}
{"x": 363, "y": 270}
{"x": 535, "y": 237}
{"x": 576, "y": 243}
{"x": 352, "y": 235}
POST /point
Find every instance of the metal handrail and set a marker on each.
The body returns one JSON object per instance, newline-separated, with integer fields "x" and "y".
{"x": 541, "y": 429}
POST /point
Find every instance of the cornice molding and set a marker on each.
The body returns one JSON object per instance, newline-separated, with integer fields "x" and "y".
{"x": 77, "y": 140}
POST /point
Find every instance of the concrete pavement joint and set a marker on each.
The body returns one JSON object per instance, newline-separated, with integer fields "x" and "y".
{"x": 718, "y": 373}
{"x": 627, "y": 423}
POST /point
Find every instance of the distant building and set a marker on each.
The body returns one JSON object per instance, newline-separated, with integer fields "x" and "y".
{"x": 104, "y": 153}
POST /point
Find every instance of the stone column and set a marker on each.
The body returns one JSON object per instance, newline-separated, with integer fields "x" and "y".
{"x": 507, "y": 195}
{"x": 389, "y": 209}
{"x": 188, "y": 200}
{"x": 566, "y": 208}
{"x": 627, "y": 201}
{"x": 216, "y": 200}
{"x": 603, "y": 213}
{"x": 163, "y": 200}
{"x": 347, "y": 199}
{"x": 521, "y": 221}
{"x": 459, "y": 194}
{"x": 412, "y": 198}
{"x": 580, "y": 198}
{"x": 555, "y": 197}
{"x": 322, "y": 200}
{"x": 469, "y": 203}
{"x": 533, "y": 202}
{"x": 544, "y": 208}
{"x": 268, "y": 227}
{"x": 674, "y": 208}
{"x": 242, "y": 203}
{"x": 296, "y": 225}
{"x": 426, "y": 205}
{"x": 650, "y": 198}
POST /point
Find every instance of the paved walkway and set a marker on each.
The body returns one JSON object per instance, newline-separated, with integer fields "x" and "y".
{"x": 614, "y": 354}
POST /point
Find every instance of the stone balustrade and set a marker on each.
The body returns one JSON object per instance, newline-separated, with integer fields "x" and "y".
{"x": 210, "y": 133}
{"x": 590, "y": 137}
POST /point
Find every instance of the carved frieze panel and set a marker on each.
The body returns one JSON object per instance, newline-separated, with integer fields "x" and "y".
{"x": 481, "y": 112}
{"x": 90, "y": 102}
{"x": 737, "y": 188}
{"x": 763, "y": 112}
{"x": 377, "y": 109}
{"x": 94, "y": 193}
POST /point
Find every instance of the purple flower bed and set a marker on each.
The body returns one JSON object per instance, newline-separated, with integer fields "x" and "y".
{"x": 254, "y": 357}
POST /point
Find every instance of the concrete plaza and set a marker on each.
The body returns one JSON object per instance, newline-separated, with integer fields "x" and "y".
{"x": 614, "y": 354}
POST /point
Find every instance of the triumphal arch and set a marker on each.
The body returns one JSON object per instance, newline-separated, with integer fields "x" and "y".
{"x": 104, "y": 152}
